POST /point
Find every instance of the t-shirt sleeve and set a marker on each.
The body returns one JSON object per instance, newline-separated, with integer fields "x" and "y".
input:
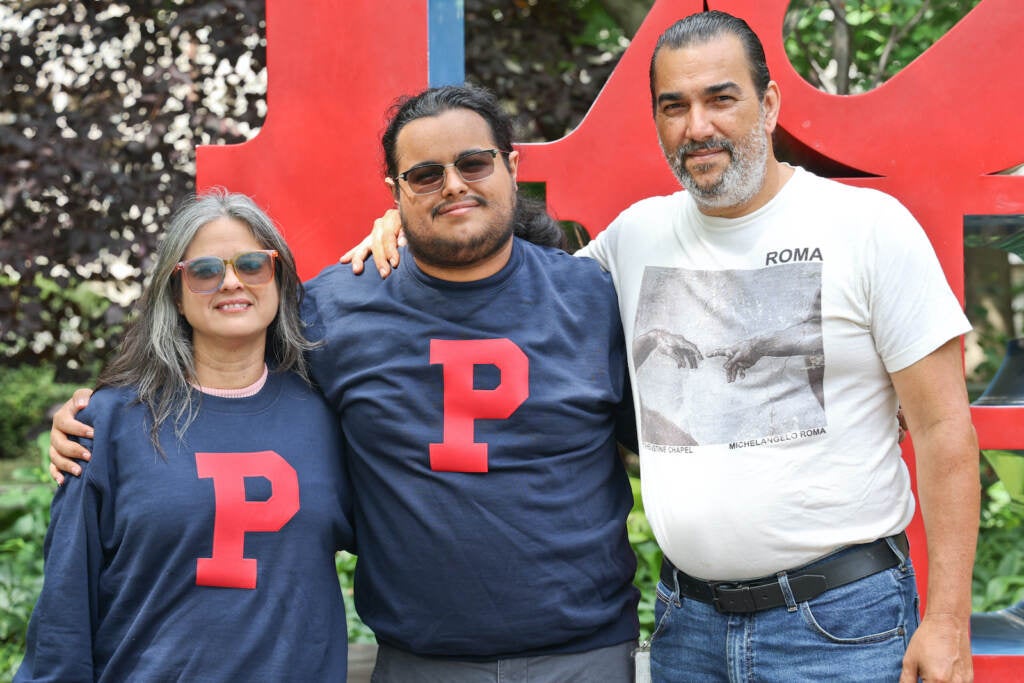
{"x": 913, "y": 308}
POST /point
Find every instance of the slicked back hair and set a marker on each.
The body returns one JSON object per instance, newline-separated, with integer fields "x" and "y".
{"x": 703, "y": 27}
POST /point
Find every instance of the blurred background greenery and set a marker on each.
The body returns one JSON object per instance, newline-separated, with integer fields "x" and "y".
{"x": 103, "y": 103}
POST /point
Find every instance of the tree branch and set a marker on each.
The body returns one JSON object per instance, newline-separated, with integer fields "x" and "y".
{"x": 841, "y": 46}
{"x": 895, "y": 36}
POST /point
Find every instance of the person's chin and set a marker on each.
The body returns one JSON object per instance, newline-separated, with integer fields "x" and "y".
{"x": 703, "y": 185}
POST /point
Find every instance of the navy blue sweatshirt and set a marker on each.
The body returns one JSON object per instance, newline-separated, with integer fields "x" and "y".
{"x": 214, "y": 562}
{"x": 479, "y": 419}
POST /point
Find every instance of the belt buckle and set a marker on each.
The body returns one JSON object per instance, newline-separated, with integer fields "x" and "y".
{"x": 739, "y": 598}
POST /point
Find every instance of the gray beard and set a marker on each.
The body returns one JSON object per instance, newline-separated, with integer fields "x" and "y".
{"x": 742, "y": 179}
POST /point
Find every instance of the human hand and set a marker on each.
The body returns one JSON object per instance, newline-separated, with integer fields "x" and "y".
{"x": 382, "y": 242}
{"x": 684, "y": 352}
{"x": 738, "y": 358}
{"x": 677, "y": 347}
{"x": 63, "y": 451}
{"x": 939, "y": 652}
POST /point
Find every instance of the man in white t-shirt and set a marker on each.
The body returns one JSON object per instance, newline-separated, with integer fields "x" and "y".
{"x": 775, "y": 322}
{"x": 772, "y": 476}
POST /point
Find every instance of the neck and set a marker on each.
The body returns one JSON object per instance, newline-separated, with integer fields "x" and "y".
{"x": 775, "y": 177}
{"x": 469, "y": 272}
{"x": 228, "y": 367}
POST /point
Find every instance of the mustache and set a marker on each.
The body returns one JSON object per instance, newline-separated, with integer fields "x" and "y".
{"x": 436, "y": 211}
{"x": 714, "y": 143}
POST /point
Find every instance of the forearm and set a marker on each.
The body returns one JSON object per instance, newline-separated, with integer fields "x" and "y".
{"x": 934, "y": 401}
{"x": 949, "y": 493}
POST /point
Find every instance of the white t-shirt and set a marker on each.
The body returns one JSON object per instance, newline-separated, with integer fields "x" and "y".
{"x": 780, "y": 446}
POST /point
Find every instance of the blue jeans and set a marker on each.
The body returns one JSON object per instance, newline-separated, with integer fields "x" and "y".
{"x": 857, "y": 632}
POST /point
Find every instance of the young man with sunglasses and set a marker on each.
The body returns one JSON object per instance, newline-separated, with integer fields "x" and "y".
{"x": 479, "y": 390}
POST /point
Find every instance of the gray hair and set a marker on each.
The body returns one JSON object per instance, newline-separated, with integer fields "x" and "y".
{"x": 156, "y": 356}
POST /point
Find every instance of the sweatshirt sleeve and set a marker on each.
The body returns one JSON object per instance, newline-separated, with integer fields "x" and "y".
{"x": 60, "y": 633}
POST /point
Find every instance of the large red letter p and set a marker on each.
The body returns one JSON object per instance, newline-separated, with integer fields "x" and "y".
{"x": 235, "y": 515}
{"x": 463, "y": 404}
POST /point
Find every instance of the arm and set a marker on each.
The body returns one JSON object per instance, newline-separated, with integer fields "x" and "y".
{"x": 59, "y": 643}
{"x": 934, "y": 401}
{"x": 63, "y": 450}
{"x": 382, "y": 242}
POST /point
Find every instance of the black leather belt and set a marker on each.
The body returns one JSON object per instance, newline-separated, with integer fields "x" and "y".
{"x": 848, "y": 565}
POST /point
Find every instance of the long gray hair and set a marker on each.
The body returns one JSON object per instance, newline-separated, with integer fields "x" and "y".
{"x": 156, "y": 355}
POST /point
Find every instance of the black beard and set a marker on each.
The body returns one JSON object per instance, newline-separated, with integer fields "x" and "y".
{"x": 441, "y": 252}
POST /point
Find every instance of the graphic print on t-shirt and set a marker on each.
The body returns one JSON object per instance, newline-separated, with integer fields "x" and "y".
{"x": 729, "y": 356}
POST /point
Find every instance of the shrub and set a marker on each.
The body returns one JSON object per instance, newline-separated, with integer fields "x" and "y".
{"x": 26, "y": 394}
{"x": 648, "y": 559}
{"x": 999, "y": 565}
{"x": 24, "y": 516}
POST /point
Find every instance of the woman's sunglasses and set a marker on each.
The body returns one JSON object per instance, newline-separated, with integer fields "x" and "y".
{"x": 205, "y": 274}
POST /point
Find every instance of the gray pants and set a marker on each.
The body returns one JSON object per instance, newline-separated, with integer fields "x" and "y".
{"x": 605, "y": 665}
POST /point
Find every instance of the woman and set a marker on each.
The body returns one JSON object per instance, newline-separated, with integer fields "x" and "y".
{"x": 199, "y": 542}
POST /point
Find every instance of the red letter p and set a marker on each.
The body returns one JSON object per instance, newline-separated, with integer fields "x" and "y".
{"x": 235, "y": 515}
{"x": 463, "y": 404}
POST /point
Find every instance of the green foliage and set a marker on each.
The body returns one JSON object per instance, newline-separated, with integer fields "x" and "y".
{"x": 24, "y": 516}
{"x": 648, "y": 559}
{"x": 999, "y": 565}
{"x": 49, "y": 324}
{"x": 992, "y": 343}
{"x": 358, "y": 632}
{"x": 26, "y": 394}
{"x": 856, "y": 45}
{"x": 600, "y": 30}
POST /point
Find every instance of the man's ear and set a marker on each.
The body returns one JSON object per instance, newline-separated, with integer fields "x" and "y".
{"x": 772, "y": 102}
{"x": 513, "y": 163}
